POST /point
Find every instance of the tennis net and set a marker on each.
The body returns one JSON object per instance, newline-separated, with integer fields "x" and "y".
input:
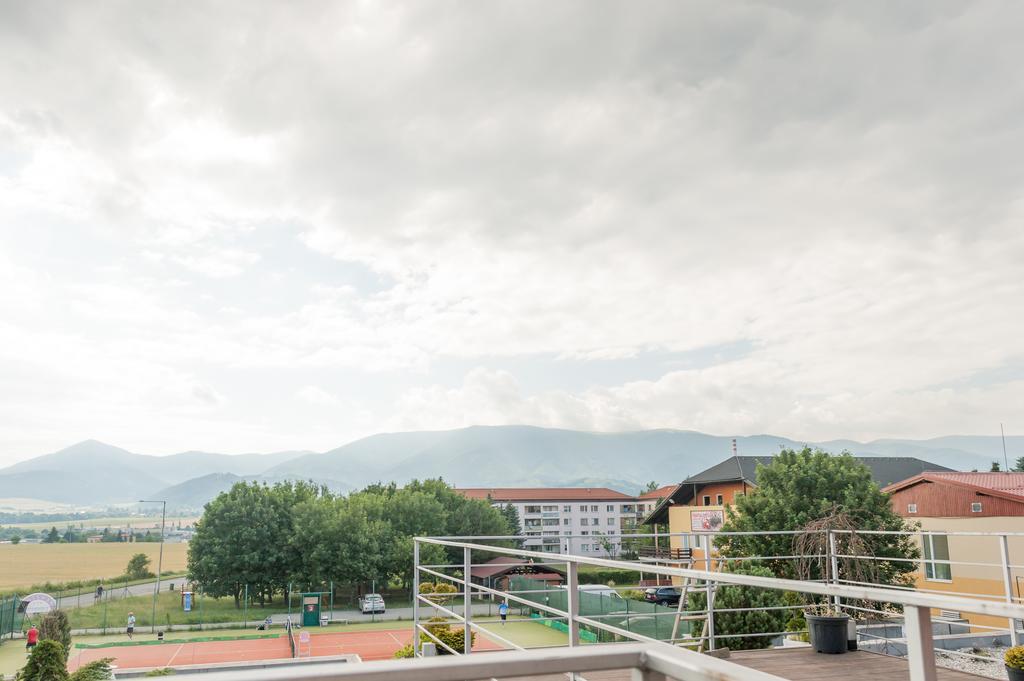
{"x": 291, "y": 640}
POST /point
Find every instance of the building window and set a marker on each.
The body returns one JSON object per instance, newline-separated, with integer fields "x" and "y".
{"x": 583, "y": 507}
{"x": 567, "y": 534}
{"x": 719, "y": 502}
{"x": 936, "y": 548}
{"x": 911, "y": 508}
{"x": 565, "y": 521}
{"x": 707, "y": 500}
{"x": 550, "y": 509}
{"x": 595, "y": 521}
{"x": 976, "y": 507}
{"x": 584, "y": 521}
{"x": 611, "y": 521}
{"x": 567, "y": 509}
{"x": 585, "y": 532}
{"x": 585, "y": 547}
{"x": 593, "y": 508}
{"x": 531, "y": 509}
{"x": 610, "y": 508}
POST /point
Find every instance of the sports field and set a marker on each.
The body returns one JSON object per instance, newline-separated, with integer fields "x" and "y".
{"x": 22, "y": 565}
{"x": 138, "y": 523}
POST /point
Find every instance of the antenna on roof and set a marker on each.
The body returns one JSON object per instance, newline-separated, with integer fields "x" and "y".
{"x": 1006, "y": 461}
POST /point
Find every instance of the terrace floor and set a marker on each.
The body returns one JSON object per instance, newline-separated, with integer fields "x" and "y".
{"x": 798, "y": 664}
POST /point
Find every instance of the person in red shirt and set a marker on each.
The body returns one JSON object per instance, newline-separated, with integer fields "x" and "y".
{"x": 33, "y": 638}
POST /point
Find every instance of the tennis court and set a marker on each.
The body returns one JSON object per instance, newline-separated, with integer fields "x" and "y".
{"x": 368, "y": 645}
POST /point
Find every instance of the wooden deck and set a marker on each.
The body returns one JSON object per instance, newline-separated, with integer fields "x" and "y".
{"x": 798, "y": 664}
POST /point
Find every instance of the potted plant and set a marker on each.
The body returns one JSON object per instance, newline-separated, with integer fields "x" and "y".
{"x": 1014, "y": 659}
{"x": 829, "y": 626}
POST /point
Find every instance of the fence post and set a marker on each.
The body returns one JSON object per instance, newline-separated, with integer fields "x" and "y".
{"x": 917, "y": 629}
{"x": 1004, "y": 551}
{"x": 245, "y": 608}
{"x": 709, "y": 590}
{"x": 833, "y": 561}
{"x": 415, "y": 597}
{"x": 572, "y": 595}
{"x": 467, "y": 605}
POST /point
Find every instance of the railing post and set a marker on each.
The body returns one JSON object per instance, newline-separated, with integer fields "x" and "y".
{"x": 1004, "y": 554}
{"x": 709, "y": 593}
{"x": 833, "y": 561}
{"x": 416, "y": 597}
{"x": 467, "y": 605}
{"x": 572, "y": 602}
{"x": 917, "y": 630}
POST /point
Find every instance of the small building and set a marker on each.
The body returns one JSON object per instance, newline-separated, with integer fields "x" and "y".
{"x": 496, "y": 573}
{"x": 94, "y": 539}
{"x": 985, "y": 504}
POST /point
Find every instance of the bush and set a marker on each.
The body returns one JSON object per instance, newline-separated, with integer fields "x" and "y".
{"x": 55, "y": 627}
{"x": 46, "y": 663}
{"x": 634, "y": 595}
{"x": 609, "y": 577}
{"x": 405, "y": 651}
{"x": 1014, "y": 657}
{"x": 163, "y": 671}
{"x": 98, "y": 670}
{"x": 751, "y": 622}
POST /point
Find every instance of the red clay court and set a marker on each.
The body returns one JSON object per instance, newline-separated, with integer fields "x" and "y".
{"x": 368, "y": 645}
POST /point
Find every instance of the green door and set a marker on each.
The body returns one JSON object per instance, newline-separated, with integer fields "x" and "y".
{"x": 310, "y": 610}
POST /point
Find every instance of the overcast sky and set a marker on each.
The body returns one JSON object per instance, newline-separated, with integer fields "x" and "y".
{"x": 251, "y": 226}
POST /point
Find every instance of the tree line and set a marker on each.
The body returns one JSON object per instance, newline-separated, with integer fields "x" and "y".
{"x": 262, "y": 539}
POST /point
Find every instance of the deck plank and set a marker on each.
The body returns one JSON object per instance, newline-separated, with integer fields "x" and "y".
{"x": 798, "y": 664}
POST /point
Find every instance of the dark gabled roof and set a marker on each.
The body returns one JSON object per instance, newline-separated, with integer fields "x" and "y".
{"x": 885, "y": 470}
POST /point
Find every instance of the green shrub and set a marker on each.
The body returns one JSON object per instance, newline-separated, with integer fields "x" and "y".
{"x": 1014, "y": 657}
{"x": 751, "y": 622}
{"x": 633, "y": 595}
{"x": 46, "y": 663}
{"x": 610, "y": 577}
{"x": 97, "y": 670}
{"x": 55, "y": 627}
{"x": 163, "y": 671}
{"x": 404, "y": 652}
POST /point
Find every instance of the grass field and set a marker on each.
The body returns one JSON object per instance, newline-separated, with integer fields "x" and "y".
{"x": 22, "y": 565}
{"x": 137, "y": 522}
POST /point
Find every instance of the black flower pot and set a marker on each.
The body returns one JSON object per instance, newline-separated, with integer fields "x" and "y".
{"x": 828, "y": 633}
{"x": 1014, "y": 674}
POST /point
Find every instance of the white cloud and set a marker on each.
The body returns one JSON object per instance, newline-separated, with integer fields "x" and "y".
{"x": 382, "y": 191}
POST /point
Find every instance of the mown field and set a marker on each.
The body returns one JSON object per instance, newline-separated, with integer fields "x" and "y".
{"x": 22, "y": 565}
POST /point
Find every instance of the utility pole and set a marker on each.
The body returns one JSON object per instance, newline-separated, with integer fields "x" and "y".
{"x": 160, "y": 561}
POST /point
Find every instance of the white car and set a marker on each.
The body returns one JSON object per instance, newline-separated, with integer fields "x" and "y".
{"x": 371, "y": 603}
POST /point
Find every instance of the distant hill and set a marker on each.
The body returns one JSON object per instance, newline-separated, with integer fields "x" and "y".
{"x": 94, "y": 473}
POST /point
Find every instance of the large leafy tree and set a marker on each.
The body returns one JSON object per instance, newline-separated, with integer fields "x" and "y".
{"x": 799, "y": 487}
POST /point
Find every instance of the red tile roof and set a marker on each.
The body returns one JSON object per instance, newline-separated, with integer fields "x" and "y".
{"x": 1008, "y": 485}
{"x": 659, "y": 493}
{"x": 542, "y": 493}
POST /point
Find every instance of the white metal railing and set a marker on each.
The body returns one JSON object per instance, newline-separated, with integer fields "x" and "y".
{"x": 916, "y": 605}
{"x": 647, "y": 662}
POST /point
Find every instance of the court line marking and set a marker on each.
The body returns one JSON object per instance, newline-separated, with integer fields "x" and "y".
{"x": 180, "y": 647}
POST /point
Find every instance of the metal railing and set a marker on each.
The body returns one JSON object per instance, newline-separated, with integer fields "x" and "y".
{"x": 916, "y": 605}
{"x": 646, "y": 662}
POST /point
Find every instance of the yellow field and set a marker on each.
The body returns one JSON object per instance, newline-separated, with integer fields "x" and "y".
{"x": 23, "y": 565}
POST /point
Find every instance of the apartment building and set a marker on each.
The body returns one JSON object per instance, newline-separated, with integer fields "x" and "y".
{"x": 583, "y": 520}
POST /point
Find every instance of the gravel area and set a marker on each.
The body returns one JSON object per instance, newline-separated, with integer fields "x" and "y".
{"x": 994, "y": 669}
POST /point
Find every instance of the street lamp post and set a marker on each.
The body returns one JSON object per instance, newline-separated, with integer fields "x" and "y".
{"x": 160, "y": 561}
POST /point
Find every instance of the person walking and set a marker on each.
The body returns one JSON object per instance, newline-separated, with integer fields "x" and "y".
{"x": 32, "y": 638}
{"x": 131, "y": 624}
{"x": 503, "y": 612}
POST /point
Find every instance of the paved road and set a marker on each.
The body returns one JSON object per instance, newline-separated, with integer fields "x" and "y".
{"x": 115, "y": 592}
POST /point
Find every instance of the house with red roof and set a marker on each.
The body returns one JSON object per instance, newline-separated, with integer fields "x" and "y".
{"x": 982, "y": 504}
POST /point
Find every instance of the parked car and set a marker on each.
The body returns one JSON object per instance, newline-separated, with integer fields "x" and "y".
{"x": 371, "y": 603}
{"x": 662, "y": 595}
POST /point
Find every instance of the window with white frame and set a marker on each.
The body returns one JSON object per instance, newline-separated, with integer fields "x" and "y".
{"x": 707, "y": 499}
{"x": 593, "y": 508}
{"x": 584, "y": 521}
{"x": 583, "y": 507}
{"x": 936, "y": 548}
{"x": 719, "y": 500}
{"x": 567, "y": 509}
{"x": 610, "y": 508}
{"x": 585, "y": 547}
{"x": 911, "y": 508}
{"x": 976, "y": 507}
{"x": 565, "y": 521}
{"x": 611, "y": 521}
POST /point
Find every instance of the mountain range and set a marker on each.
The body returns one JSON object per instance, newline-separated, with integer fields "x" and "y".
{"x": 95, "y": 474}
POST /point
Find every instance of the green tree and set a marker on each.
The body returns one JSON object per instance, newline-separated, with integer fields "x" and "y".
{"x": 733, "y": 597}
{"x": 52, "y": 537}
{"x": 54, "y": 626}
{"x": 511, "y": 516}
{"x": 46, "y": 663}
{"x": 798, "y": 487}
{"x": 995, "y": 467}
{"x": 138, "y": 567}
{"x": 651, "y": 486}
{"x": 15, "y": 539}
{"x": 1019, "y": 465}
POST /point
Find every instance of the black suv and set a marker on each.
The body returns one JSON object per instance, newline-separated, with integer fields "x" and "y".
{"x": 663, "y": 595}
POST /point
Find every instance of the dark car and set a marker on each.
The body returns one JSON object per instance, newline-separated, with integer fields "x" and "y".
{"x": 662, "y": 595}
